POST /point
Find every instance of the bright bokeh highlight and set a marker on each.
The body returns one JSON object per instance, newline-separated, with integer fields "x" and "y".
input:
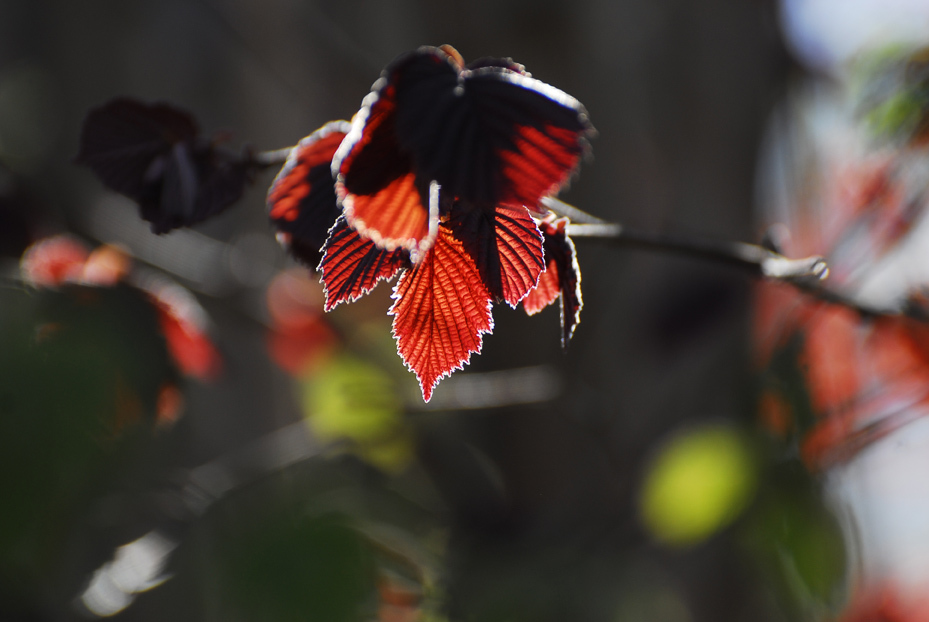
{"x": 698, "y": 483}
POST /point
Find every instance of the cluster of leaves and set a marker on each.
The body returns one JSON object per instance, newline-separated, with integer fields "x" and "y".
{"x": 438, "y": 179}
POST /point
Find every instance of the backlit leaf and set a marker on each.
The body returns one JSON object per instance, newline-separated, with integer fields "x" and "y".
{"x": 380, "y": 195}
{"x": 442, "y": 308}
{"x": 352, "y": 399}
{"x": 301, "y": 201}
{"x": 506, "y": 245}
{"x": 353, "y": 265}
{"x": 487, "y": 135}
{"x": 562, "y": 278}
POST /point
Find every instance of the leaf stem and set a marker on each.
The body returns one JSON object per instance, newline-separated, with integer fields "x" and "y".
{"x": 275, "y": 157}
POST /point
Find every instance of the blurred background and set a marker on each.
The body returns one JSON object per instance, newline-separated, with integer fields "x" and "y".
{"x": 275, "y": 463}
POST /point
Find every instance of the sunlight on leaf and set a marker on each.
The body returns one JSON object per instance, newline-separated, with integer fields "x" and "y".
{"x": 697, "y": 484}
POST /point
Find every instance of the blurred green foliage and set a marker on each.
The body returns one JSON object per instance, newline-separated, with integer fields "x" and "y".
{"x": 353, "y": 400}
{"x": 80, "y": 374}
{"x": 892, "y": 87}
{"x": 797, "y": 539}
{"x": 295, "y": 566}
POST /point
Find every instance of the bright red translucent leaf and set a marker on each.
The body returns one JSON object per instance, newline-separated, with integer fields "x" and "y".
{"x": 352, "y": 265}
{"x": 562, "y": 278}
{"x": 302, "y": 201}
{"x": 379, "y": 193}
{"x": 506, "y": 245}
{"x": 394, "y": 216}
{"x": 442, "y": 308}
{"x": 519, "y": 245}
{"x": 546, "y": 292}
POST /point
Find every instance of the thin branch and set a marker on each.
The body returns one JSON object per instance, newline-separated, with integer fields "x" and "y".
{"x": 756, "y": 259}
{"x": 575, "y": 214}
{"x": 806, "y": 274}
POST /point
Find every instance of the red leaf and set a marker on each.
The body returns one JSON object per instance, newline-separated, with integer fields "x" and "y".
{"x": 191, "y": 349}
{"x": 542, "y": 161}
{"x": 353, "y": 265}
{"x": 299, "y": 338}
{"x": 519, "y": 244}
{"x": 301, "y": 201}
{"x": 54, "y": 261}
{"x": 506, "y": 245}
{"x": 831, "y": 358}
{"x": 394, "y": 217}
{"x": 185, "y": 326}
{"x": 562, "y": 278}
{"x": 442, "y": 308}
{"x": 380, "y": 195}
{"x": 546, "y": 292}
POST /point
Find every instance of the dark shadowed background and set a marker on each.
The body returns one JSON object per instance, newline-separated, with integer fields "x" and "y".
{"x": 528, "y": 511}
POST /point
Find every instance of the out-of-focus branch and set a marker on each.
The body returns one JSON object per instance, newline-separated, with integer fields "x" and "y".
{"x": 267, "y": 159}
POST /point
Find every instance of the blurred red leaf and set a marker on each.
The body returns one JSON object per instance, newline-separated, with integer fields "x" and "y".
{"x": 61, "y": 259}
{"x": 53, "y": 261}
{"x": 831, "y": 357}
{"x": 886, "y": 604}
{"x": 299, "y": 337}
{"x": 189, "y": 346}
